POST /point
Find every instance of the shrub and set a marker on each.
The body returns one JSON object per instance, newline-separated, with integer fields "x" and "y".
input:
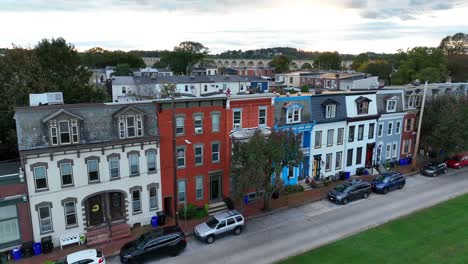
{"x": 293, "y": 188}
{"x": 187, "y": 212}
{"x": 304, "y": 88}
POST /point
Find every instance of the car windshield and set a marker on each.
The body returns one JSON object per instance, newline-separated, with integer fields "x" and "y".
{"x": 341, "y": 187}
{"x": 381, "y": 178}
{"x": 212, "y": 222}
{"x": 456, "y": 158}
{"x": 140, "y": 242}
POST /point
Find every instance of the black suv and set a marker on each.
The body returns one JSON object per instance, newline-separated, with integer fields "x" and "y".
{"x": 162, "y": 241}
{"x": 350, "y": 190}
{"x": 434, "y": 168}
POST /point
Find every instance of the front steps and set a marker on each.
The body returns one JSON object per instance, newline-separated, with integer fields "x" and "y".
{"x": 104, "y": 235}
{"x": 217, "y": 208}
{"x": 306, "y": 186}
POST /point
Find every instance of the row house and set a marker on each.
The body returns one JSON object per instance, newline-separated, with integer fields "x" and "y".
{"x": 295, "y": 113}
{"x": 328, "y": 135}
{"x": 389, "y": 126}
{"x": 90, "y": 168}
{"x": 362, "y": 115}
{"x": 15, "y": 220}
{"x": 201, "y": 139}
{"x": 139, "y": 88}
{"x": 246, "y": 114}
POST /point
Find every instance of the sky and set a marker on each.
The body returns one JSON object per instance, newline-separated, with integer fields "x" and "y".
{"x": 346, "y": 26}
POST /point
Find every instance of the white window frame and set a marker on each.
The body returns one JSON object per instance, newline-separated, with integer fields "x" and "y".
{"x": 328, "y": 161}
{"x": 71, "y": 173}
{"x": 360, "y": 133}
{"x": 394, "y": 149}
{"x": 180, "y": 125}
{"x": 330, "y": 134}
{"x": 409, "y": 120}
{"x": 199, "y": 188}
{"x": 340, "y": 138}
{"x": 237, "y": 122}
{"x": 389, "y": 128}
{"x": 213, "y": 153}
{"x": 318, "y": 136}
{"x": 195, "y": 147}
{"x": 398, "y": 127}
{"x": 181, "y": 183}
{"x": 75, "y": 136}
{"x": 409, "y": 146}
{"x": 135, "y": 209}
{"x": 262, "y": 117}
{"x": 122, "y": 129}
{"x": 127, "y": 127}
{"x": 41, "y": 220}
{"x": 371, "y": 131}
{"x": 338, "y": 160}
{"x": 388, "y": 149}
{"x": 178, "y": 149}
{"x": 54, "y": 135}
{"x": 149, "y": 162}
{"x": 97, "y": 169}
{"x": 67, "y": 214}
{"x": 361, "y": 108}
{"x": 391, "y": 105}
{"x": 153, "y": 199}
{"x": 215, "y": 127}
{"x": 330, "y": 111}
{"x": 139, "y": 126}
{"x": 198, "y": 124}
{"x": 293, "y": 115}
{"x": 380, "y": 130}
{"x": 60, "y": 132}
{"x": 45, "y": 176}
{"x": 10, "y": 223}
{"x": 111, "y": 160}
{"x": 130, "y": 165}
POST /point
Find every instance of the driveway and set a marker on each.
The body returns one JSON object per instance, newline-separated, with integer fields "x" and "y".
{"x": 293, "y": 231}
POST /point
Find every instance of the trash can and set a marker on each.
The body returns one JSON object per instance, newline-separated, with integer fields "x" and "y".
{"x": 161, "y": 218}
{"x": 246, "y": 199}
{"x": 347, "y": 175}
{"x": 342, "y": 175}
{"x": 47, "y": 244}
{"x": 154, "y": 221}
{"x": 16, "y": 253}
{"x": 27, "y": 249}
{"x": 366, "y": 172}
{"x": 37, "y": 247}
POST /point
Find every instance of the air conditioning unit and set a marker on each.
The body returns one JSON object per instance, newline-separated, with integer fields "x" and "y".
{"x": 198, "y": 130}
{"x": 237, "y": 126}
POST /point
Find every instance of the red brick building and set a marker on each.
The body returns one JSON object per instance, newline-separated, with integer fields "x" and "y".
{"x": 201, "y": 138}
{"x": 15, "y": 220}
{"x": 408, "y": 135}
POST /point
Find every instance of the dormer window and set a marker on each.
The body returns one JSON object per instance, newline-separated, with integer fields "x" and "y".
{"x": 293, "y": 112}
{"x": 330, "y": 111}
{"x": 391, "y": 105}
{"x": 130, "y": 126}
{"x": 63, "y": 132}
{"x": 362, "y": 105}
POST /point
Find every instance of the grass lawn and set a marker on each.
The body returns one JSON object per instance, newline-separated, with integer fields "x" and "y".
{"x": 436, "y": 235}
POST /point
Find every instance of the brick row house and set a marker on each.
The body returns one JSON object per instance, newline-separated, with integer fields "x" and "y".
{"x": 15, "y": 219}
{"x": 90, "y": 168}
{"x": 201, "y": 138}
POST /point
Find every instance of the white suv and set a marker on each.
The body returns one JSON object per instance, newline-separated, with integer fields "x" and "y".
{"x": 88, "y": 256}
{"x": 218, "y": 224}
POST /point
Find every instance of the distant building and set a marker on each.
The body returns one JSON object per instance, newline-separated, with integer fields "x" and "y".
{"x": 204, "y": 71}
{"x": 150, "y": 61}
{"x": 251, "y": 71}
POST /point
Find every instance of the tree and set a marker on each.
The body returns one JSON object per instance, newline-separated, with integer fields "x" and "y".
{"x": 421, "y": 63}
{"x": 328, "y": 61}
{"x": 359, "y": 60}
{"x": 457, "y": 66}
{"x": 380, "y": 68}
{"x": 184, "y": 56}
{"x": 99, "y": 58}
{"x": 439, "y": 131}
{"x": 262, "y": 160}
{"x": 281, "y": 63}
{"x": 456, "y": 44}
{"x": 122, "y": 70}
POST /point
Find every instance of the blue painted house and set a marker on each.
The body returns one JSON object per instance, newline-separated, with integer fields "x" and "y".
{"x": 389, "y": 126}
{"x": 293, "y": 112}
{"x": 259, "y": 83}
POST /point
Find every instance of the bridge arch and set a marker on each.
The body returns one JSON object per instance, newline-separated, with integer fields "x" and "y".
{"x": 250, "y": 64}
{"x": 233, "y": 63}
{"x": 260, "y": 64}
{"x": 242, "y": 63}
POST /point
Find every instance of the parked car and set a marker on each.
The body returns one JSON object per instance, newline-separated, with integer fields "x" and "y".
{"x": 458, "y": 161}
{"x": 350, "y": 190}
{"x": 88, "y": 256}
{"x": 162, "y": 241}
{"x": 220, "y": 224}
{"x": 388, "y": 181}
{"x": 434, "y": 168}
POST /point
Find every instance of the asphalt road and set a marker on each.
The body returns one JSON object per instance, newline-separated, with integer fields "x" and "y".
{"x": 290, "y": 232}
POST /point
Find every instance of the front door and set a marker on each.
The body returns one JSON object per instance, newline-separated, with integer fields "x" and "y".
{"x": 215, "y": 188}
{"x": 95, "y": 210}
{"x": 369, "y": 152}
{"x": 116, "y": 206}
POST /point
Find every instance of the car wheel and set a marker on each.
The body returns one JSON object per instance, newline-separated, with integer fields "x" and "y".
{"x": 237, "y": 231}
{"x": 435, "y": 174}
{"x": 345, "y": 201}
{"x": 385, "y": 190}
{"x": 401, "y": 186}
{"x": 210, "y": 239}
{"x": 176, "y": 252}
{"x": 445, "y": 171}
{"x": 365, "y": 195}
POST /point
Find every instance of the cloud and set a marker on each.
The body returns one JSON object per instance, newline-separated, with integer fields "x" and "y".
{"x": 402, "y": 9}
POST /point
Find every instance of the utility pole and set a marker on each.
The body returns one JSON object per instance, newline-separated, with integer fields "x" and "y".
{"x": 416, "y": 145}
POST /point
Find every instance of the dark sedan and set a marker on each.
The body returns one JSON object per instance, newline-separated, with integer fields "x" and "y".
{"x": 433, "y": 169}
{"x": 388, "y": 181}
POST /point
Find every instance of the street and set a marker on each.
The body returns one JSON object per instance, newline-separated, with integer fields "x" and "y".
{"x": 294, "y": 231}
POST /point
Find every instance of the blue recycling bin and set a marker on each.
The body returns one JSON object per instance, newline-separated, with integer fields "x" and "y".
{"x": 154, "y": 221}
{"x": 347, "y": 175}
{"x": 16, "y": 253}
{"x": 246, "y": 199}
{"x": 402, "y": 162}
{"x": 37, "y": 248}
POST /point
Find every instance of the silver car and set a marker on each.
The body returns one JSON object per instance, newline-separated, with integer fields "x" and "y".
{"x": 219, "y": 224}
